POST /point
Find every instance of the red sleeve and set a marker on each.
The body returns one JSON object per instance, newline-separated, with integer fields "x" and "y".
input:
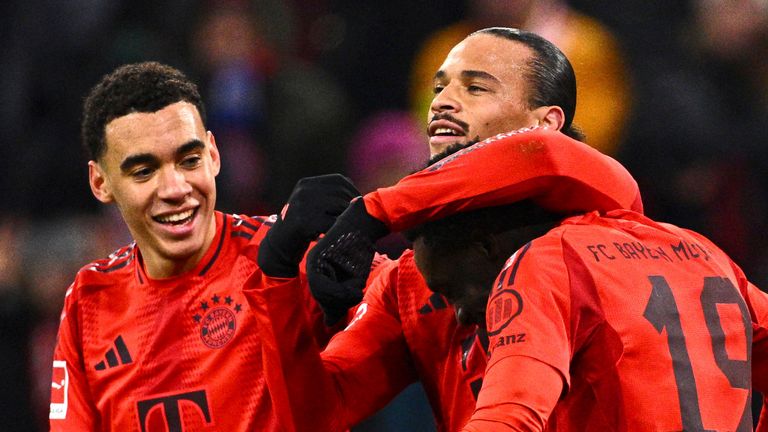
{"x": 528, "y": 321}
{"x": 519, "y": 404}
{"x": 362, "y": 368}
{"x": 559, "y": 173}
{"x": 71, "y": 404}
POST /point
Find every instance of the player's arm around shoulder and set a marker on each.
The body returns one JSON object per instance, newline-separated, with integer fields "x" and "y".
{"x": 370, "y": 347}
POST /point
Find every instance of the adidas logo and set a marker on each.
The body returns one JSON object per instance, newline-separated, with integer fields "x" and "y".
{"x": 435, "y": 302}
{"x": 111, "y": 358}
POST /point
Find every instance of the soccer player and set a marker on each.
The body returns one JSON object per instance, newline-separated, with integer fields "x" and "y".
{"x": 495, "y": 81}
{"x": 159, "y": 336}
{"x": 597, "y": 321}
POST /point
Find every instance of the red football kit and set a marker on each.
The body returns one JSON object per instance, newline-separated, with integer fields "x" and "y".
{"x": 177, "y": 354}
{"x": 640, "y": 326}
{"x": 678, "y": 347}
{"x": 554, "y": 171}
{"x": 402, "y": 331}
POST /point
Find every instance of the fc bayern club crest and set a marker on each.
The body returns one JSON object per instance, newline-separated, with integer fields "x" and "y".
{"x": 218, "y": 320}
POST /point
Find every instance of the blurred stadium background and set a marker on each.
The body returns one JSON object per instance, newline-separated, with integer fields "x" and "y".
{"x": 676, "y": 90}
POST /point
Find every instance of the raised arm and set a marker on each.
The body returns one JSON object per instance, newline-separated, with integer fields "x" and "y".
{"x": 557, "y": 172}
{"x": 561, "y": 174}
{"x": 334, "y": 390}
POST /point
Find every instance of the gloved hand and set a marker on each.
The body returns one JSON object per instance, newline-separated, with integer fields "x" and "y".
{"x": 339, "y": 264}
{"x": 312, "y": 208}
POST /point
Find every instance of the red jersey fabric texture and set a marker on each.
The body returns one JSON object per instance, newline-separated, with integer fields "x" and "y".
{"x": 137, "y": 354}
{"x": 649, "y": 327}
{"x": 645, "y": 326}
{"x": 401, "y": 332}
{"x": 557, "y": 172}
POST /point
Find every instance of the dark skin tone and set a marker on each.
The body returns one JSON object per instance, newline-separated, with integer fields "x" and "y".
{"x": 464, "y": 274}
{"x": 464, "y": 277}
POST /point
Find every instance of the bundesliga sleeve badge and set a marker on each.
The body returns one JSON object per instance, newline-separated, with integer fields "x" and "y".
{"x": 59, "y": 387}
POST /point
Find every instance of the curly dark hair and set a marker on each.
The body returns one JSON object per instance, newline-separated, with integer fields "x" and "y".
{"x": 458, "y": 230}
{"x": 140, "y": 87}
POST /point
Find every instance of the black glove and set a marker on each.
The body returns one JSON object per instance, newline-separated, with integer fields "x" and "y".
{"x": 312, "y": 208}
{"x": 339, "y": 264}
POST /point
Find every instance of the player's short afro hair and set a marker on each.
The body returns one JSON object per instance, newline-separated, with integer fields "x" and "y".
{"x": 458, "y": 230}
{"x": 138, "y": 87}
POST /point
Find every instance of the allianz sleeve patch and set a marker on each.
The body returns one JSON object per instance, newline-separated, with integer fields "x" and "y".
{"x": 503, "y": 307}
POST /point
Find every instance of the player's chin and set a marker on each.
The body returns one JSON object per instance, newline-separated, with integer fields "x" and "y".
{"x": 438, "y": 144}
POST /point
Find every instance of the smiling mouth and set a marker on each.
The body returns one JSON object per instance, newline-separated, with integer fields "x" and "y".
{"x": 176, "y": 218}
{"x": 444, "y": 131}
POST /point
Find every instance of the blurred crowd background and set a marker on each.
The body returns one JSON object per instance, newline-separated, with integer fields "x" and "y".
{"x": 676, "y": 90}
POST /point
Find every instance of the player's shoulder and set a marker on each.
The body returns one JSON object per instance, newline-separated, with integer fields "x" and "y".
{"x": 245, "y": 226}
{"x": 552, "y": 251}
{"x": 552, "y": 241}
{"x": 594, "y": 227}
{"x": 406, "y": 263}
{"x": 241, "y": 234}
{"x": 115, "y": 263}
{"x": 105, "y": 272}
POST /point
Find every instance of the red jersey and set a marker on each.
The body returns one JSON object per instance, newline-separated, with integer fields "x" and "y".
{"x": 553, "y": 170}
{"x": 644, "y": 327}
{"x": 180, "y": 354}
{"x": 401, "y": 332}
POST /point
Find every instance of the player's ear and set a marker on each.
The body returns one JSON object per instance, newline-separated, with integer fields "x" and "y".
{"x": 215, "y": 155}
{"x": 551, "y": 117}
{"x": 99, "y": 182}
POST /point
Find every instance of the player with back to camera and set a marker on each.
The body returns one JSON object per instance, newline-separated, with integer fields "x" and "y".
{"x": 495, "y": 81}
{"x": 596, "y": 319}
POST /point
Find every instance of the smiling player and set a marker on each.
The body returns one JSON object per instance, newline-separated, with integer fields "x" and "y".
{"x": 158, "y": 336}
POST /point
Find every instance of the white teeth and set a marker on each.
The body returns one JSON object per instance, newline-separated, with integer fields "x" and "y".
{"x": 441, "y": 131}
{"x": 173, "y": 218}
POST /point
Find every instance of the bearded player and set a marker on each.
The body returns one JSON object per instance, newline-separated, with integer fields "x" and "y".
{"x": 495, "y": 81}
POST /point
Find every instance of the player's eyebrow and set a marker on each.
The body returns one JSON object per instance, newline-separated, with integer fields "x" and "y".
{"x": 468, "y": 74}
{"x": 192, "y": 145}
{"x": 137, "y": 159}
{"x": 478, "y": 74}
{"x": 148, "y": 158}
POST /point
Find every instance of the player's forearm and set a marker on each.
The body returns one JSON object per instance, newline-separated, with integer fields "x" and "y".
{"x": 539, "y": 164}
{"x": 303, "y": 394}
{"x": 508, "y": 417}
{"x": 518, "y": 394}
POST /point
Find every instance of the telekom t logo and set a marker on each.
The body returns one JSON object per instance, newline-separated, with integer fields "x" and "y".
{"x": 170, "y": 406}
